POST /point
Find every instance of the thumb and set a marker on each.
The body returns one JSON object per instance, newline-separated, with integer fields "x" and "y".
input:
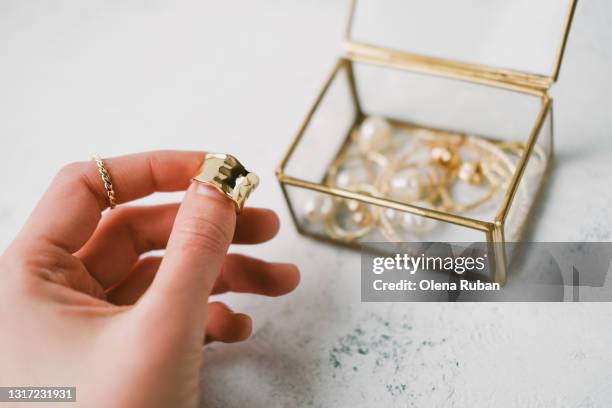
{"x": 202, "y": 232}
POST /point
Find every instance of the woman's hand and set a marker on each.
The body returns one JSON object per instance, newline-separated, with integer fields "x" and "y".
{"x": 80, "y": 304}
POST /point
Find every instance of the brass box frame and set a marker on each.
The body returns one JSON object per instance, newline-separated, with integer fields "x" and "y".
{"x": 528, "y": 83}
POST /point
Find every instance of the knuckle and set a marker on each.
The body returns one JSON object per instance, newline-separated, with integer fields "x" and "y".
{"x": 82, "y": 176}
{"x": 202, "y": 232}
{"x": 71, "y": 171}
{"x": 120, "y": 216}
{"x": 27, "y": 271}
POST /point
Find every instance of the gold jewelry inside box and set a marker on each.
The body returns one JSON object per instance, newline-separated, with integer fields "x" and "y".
{"x": 401, "y": 179}
{"x": 418, "y": 166}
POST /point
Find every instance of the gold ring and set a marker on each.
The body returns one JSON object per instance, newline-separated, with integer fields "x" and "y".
{"x": 226, "y": 174}
{"x": 106, "y": 179}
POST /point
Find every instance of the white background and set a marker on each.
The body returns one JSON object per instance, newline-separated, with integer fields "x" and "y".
{"x": 112, "y": 77}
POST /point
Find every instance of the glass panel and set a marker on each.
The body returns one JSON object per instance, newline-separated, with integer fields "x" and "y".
{"x": 325, "y": 132}
{"x": 445, "y": 103}
{"x": 477, "y": 127}
{"x": 449, "y": 145}
{"x": 529, "y": 185}
{"x": 351, "y": 221}
{"x": 521, "y": 34}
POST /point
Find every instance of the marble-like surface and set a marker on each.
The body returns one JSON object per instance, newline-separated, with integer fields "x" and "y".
{"x": 115, "y": 77}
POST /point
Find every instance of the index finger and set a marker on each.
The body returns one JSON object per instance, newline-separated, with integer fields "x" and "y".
{"x": 70, "y": 209}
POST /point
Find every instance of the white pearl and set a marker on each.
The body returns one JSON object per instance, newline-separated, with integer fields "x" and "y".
{"x": 391, "y": 214}
{"x": 406, "y": 187}
{"x": 415, "y": 223}
{"x": 441, "y": 154}
{"x": 360, "y": 217}
{"x": 317, "y": 208}
{"x": 353, "y": 205}
{"x": 470, "y": 172}
{"x": 374, "y": 134}
{"x": 344, "y": 179}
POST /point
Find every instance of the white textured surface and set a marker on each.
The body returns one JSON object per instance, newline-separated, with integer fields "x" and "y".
{"x": 115, "y": 77}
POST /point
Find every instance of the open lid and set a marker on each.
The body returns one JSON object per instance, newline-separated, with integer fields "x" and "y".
{"x": 516, "y": 43}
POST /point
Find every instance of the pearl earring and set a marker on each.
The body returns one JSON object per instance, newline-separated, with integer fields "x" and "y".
{"x": 374, "y": 134}
{"x": 318, "y": 208}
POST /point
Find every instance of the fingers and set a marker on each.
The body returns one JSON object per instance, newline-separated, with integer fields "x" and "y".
{"x": 222, "y": 324}
{"x": 201, "y": 235}
{"x": 69, "y": 211}
{"x": 256, "y": 225}
{"x": 129, "y": 291}
{"x": 122, "y": 237}
{"x": 239, "y": 273}
{"x": 126, "y": 233}
{"x": 225, "y": 325}
{"x": 250, "y": 275}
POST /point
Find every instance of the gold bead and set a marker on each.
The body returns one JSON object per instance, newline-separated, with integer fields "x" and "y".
{"x": 444, "y": 156}
{"x": 471, "y": 172}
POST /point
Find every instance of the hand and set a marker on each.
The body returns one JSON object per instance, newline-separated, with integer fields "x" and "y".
{"x": 81, "y": 306}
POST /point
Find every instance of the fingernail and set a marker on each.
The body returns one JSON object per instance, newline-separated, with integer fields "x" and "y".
{"x": 210, "y": 193}
{"x": 204, "y": 189}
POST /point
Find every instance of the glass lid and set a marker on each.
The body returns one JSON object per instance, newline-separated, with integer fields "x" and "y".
{"x": 520, "y": 40}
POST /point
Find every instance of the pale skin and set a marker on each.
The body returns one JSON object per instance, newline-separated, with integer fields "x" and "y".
{"x": 81, "y": 304}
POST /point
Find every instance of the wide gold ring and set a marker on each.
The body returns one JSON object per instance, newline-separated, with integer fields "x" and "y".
{"x": 106, "y": 179}
{"x": 226, "y": 174}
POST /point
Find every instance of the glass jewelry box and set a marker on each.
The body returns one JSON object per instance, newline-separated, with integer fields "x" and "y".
{"x": 418, "y": 134}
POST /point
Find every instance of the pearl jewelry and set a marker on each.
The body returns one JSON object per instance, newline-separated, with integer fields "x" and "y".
{"x": 444, "y": 156}
{"x": 318, "y": 208}
{"x": 374, "y": 134}
{"x": 415, "y": 223}
{"x": 344, "y": 179}
{"x": 353, "y": 205}
{"x": 391, "y": 214}
{"x": 360, "y": 218}
{"x": 427, "y": 173}
{"x": 471, "y": 172}
{"x": 406, "y": 187}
